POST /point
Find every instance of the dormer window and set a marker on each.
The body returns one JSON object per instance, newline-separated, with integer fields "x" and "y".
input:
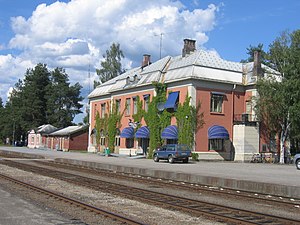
{"x": 135, "y": 78}
{"x": 128, "y": 80}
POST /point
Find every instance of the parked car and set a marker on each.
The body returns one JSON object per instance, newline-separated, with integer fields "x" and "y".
{"x": 297, "y": 161}
{"x": 172, "y": 153}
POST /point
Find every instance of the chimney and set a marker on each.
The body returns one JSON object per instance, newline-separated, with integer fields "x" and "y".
{"x": 189, "y": 46}
{"x": 146, "y": 60}
{"x": 257, "y": 71}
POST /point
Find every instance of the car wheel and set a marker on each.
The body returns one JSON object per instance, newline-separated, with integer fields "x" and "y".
{"x": 186, "y": 160}
{"x": 298, "y": 164}
{"x": 155, "y": 158}
{"x": 170, "y": 159}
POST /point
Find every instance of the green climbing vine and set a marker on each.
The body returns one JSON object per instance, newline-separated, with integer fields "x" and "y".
{"x": 155, "y": 120}
{"x": 101, "y": 127}
{"x": 139, "y": 113}
{"x": 189, "y": 120}
{"x": 113, "y": 123}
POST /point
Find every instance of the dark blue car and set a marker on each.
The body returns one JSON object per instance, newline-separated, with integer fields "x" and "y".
{"x": 173, "y": 152}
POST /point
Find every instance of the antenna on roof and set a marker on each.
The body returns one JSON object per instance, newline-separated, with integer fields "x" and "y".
{"x": 160, "y": 43}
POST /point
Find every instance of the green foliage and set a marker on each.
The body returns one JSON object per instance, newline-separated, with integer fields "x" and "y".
{"x": 140, "y": 112}
{"x": 157, "y": 121}
{"x": 189, "y": 120}
{"x": 278, "y": 104}
{"x": 250, "y": 52}
{"x": 114, "y": 119}
{"x": 63, "y": 99}
{"x": 111, "y": 66}
{"x": 195, "y": 156}
{"x": 42, "y": 97}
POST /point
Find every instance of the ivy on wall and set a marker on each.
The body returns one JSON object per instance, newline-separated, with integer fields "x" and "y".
{"x": 155, "y": 120}
{"x": 114, "y": 119}
{"x": 109, "y": 125}
{"x": 100, "y": 125}
{"x": 189, "y": 120}
{"x": 139, "y": 113}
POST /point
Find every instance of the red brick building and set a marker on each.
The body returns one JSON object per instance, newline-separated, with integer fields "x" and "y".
{"x": 224, "y": 88}
{"x": 69, "y": 138}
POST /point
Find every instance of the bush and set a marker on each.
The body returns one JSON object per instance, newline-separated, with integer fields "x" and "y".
{"x": 195, "y": 156}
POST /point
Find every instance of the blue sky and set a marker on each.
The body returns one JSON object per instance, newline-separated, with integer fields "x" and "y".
{"x": 75, "y": 34}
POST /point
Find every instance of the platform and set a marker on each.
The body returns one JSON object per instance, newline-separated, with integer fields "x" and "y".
{"x": 273, "y": 179}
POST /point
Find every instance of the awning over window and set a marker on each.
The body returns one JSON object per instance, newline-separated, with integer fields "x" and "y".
{"x": 172, "y": 100}
{"x": 217, "y": 93}
{"x": 127, "y": 132}
{"x": 217, "y": 132}
{"x": 143, "y": 132}
{"x": 170, "y": 132}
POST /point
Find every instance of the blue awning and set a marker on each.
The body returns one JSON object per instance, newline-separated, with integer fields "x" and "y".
{"x": 170, "y": 132}
{"x": 217, "y": 132}
{"x": 143, "y": 132}
{"x": 172, "y": 100}
{"x": 127, "y": 132}
{"x": 217, "y": 93}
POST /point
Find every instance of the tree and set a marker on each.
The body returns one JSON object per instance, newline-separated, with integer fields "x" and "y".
{"x": 111, "y": 66}
{"x": 33, "y": 97}
{"x": 250, "y": 51}
{"x": 63, "y": 99}
{"x": 279, "y": 99}
{"x": 40, "y": 98}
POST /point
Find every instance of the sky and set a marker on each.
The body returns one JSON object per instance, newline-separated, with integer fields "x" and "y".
{"x": 75, "y": 34}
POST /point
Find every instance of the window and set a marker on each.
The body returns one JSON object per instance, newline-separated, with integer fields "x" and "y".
{"x": 128, "y": 106}
{"x": 129, "y": 142}
{"x": 117, "y": 138}
{"x": 216, "y": 144}
{"x": 134, "y": 99}
{"x": 95, "y": 110}
{"x": 32, "y": 140}
{"x": 118, "y": 105}
{"x": 103, "y": 110}
{"x": 248, "y": 107}
{"x": 146, "y": 102}
{"x": 117, "y": 141}
{"x": 102, "y": 138}
{"x": 216, "y": 103}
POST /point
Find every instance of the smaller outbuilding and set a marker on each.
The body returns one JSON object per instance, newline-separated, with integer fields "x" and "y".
{"x": 69, "y": 138}
{"x": 37, "y": 138}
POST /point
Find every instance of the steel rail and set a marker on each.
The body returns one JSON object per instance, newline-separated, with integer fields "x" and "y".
{"x": 72, "y": 201}
{"x": 219, "y": 212}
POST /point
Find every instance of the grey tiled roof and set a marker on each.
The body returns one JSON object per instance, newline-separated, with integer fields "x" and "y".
{"x": 201, "y": 64}
{"x": 68, "y": 130}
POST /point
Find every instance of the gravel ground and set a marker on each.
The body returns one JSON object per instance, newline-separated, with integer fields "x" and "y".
{"x": 146, "y": 213}
{"x": 251, "y": 205}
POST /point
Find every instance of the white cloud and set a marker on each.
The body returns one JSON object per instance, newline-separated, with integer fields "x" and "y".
{"x": 76, "y": 34}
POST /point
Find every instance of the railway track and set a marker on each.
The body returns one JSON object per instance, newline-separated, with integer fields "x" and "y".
{"x": 272, "y": 200}
{"x": 193, "y": 207}
{"x": 73, "y": 202}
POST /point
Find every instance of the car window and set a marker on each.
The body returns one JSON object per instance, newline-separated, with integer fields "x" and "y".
{"x": 171, "y": 148}
{"x": 183, "y": 148}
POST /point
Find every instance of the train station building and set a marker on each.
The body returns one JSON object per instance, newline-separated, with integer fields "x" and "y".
{"x": 226, "y": 90}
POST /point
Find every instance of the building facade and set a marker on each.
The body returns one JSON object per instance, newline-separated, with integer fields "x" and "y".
{"x": 37, "y": 138}
{"x": 225, "y": 90}
{"x": 69, "y": 138}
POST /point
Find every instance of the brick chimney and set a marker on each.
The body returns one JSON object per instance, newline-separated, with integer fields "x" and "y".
{"x": 257, "y": 71}
{"x": 146, "y": 60}
{"x": 189, "y": 46}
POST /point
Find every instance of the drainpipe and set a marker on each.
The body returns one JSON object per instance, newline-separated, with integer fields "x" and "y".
{"x": 232, "y": 117}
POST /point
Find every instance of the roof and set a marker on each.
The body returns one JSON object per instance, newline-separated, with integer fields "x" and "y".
{"x": 46, "y": 129}
{"x": 137, "y": 76}
{"x": 200, "y": 64}
{"x": 68, "y": 130}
